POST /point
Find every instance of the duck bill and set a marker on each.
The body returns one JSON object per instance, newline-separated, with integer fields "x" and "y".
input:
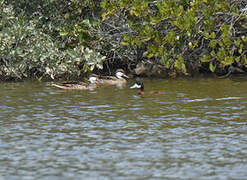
{"x": 99, "y": 81}
{"x": 124, "y": 75}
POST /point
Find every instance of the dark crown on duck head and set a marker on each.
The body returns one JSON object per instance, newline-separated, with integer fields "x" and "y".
{"x": 120, "y": 70}
{"x": 94, "y": 75}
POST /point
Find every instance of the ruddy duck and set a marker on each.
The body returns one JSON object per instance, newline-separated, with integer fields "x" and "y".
{"x": 140, "y": 86}
{"x": 79, "y": 85}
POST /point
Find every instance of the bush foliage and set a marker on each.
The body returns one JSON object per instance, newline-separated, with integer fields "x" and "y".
{"x": 68, "y": 38}
{"x": 185, "y": 35}
{"x": 34, "y": 43}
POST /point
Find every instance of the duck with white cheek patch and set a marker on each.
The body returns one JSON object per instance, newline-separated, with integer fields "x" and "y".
{"x": 140, "y": 86}
{"x": 93, "y": 81}
{"x": 118, "y": 79}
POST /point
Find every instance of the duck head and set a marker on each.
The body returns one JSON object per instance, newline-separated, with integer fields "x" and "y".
{"x": 120, "y": 74}
{"x": 138, "y": 85}
{"x": 94, "y": 80}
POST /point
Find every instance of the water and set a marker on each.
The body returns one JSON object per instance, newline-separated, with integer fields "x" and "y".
{"x": 196, "y": 129}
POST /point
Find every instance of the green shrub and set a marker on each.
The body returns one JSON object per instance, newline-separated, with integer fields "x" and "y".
{"x": 32, "y": 49}
{"x": 181, "y": 33}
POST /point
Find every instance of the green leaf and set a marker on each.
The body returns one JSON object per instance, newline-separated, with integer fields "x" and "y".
{"x": 85, "y": 68}
{"x": 183, "y": 68}
{"x": 244, "y": 38}
{"x": 205, "y": 58}
{"x": 150, "y": 55}
{"x": 228, "y": 61}
{"x": 213, "y": 43}
{"x": 240, "y": 51}
{"x": 213, "y": 35}
{"x": 99, "y": 66}
{"x": 63, "y": 33}
{"x": 179, "y": 64}
{"x": 104, "y": 4}
{"x": 170, "y": 38}
{"x": 124, "y": 43}
{"x": 206, "y": 35}
{"x": 237, "y": 42}
{"x": 91, "y": 67}
{"x": 213, "y": 54}
{"x": 212, "y": 67}
{"x": 67, "y": 15}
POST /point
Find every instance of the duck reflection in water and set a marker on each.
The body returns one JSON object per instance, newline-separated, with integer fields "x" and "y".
{"x": 140, "y": 86}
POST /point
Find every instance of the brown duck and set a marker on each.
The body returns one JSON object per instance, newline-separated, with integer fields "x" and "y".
{"x": 118, "y": 79}
{"x": 79, "y": 85}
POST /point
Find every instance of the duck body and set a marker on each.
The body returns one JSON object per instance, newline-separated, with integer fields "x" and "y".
{"x": 140, "y": 86}
{"x": 118, "y": 79}
{"x": 79, "y": 85}
{"x": 111, "y": 80}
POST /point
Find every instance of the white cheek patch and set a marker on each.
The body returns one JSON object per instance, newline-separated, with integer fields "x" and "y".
{"x": 135, "y": 86}
{"x": 119, "y": 74}
{"x": 92, "y": 79}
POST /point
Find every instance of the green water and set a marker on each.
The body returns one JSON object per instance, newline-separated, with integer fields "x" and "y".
{"x": 197, "y": 129}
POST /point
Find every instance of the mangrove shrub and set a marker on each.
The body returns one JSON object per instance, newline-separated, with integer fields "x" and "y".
{"x": 194, "y": 35}
{"x": 34, "y": 43}
{"x": 69, "y": 38}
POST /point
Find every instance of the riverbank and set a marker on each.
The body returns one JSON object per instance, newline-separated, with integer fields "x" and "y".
{"x": 50, "y": 40}
{"x": 142, "y": 70}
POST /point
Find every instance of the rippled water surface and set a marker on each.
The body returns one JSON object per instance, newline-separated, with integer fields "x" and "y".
{"x": 196, "y": 129}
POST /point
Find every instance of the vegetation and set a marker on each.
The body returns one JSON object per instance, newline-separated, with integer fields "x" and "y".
{"x": 41, "y": 40}
{"x": 50, "y": 39}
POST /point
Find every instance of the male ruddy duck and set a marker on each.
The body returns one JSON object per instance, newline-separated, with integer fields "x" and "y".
{"x": 140, "y": 86}
{"x": 118, "y": 79}
{"x": 79, "y": 85}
